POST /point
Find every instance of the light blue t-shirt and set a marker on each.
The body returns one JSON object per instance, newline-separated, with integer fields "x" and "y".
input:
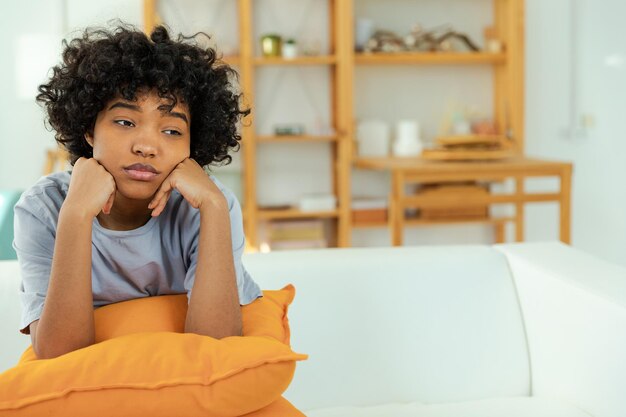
{"x": 158, "y": 258}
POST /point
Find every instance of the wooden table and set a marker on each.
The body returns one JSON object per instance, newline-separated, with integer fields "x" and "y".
{"x": 421, "y": 171}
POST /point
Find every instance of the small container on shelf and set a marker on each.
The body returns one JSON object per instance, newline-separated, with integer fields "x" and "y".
{"x": 369, "y": 210}
{"x": 271, "y": 45}
{"x": 289, "y": 129}
{"x": 407, "y": 142}
{"x": 290, "y": 49}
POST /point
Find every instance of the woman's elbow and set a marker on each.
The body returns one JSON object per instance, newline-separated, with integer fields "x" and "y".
{"x": 51, "y": 350}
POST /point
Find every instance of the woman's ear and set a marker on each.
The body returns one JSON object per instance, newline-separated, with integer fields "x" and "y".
{"x": 89, "y": 139}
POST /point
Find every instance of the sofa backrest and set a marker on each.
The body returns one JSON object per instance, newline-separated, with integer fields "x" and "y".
{"x": 12, "y": 342}
{"x": 407, "y": 324}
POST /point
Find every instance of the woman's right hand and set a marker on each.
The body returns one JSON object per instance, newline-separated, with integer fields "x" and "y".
{"x": 92, "y": 187}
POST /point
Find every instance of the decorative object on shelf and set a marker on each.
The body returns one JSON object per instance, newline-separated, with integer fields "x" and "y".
{"x": 369, "y": 210}
{"x": 442, "y": 39}
{"x": 468, "y": 135}
{"x": 372, "y": 138}
{"x": 407, "y": 142}
{"x": 484, "y": 127}
{"x": 492, "y": 43}
{"x": 363, "y": 30}
{"x": 460, "y": 124}
{"x": 290, "y": 49}
{"x": 460, "y": 211}
{"x": 271, "y": 45}
{"x": 451, "y": 40}
{"x": 289, "y": 129}
{"x": 317, "y": 202}
{"x": 385, "y": 41}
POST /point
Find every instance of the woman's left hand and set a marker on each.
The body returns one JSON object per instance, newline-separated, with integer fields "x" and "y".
{"x": 193, "y": 183}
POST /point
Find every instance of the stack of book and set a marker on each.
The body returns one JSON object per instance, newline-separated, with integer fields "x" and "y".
{"x": 296, "y": 234}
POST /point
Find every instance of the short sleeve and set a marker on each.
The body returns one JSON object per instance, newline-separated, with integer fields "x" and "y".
{"x": 34, "y": 245}
{"x": 248, "y": 289}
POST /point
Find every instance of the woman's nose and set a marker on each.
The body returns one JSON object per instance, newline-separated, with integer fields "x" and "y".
{"x": 143, "y": 147}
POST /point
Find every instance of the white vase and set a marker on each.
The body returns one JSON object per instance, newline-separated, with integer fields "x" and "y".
{"x": 289, "y": 50}
{"x": 407, "y": 142}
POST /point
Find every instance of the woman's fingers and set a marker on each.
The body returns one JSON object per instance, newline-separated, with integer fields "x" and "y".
{"x": 166, "y": 187}
{"x": 109, "y": 204}
{"x": 160, "y": 204}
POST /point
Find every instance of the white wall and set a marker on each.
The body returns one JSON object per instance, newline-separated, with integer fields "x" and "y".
{"x": 23, "y": 133}
{"x": 599, "y": 197}
{"x": 599, "y": 194}
{"x": 24, "y": 137}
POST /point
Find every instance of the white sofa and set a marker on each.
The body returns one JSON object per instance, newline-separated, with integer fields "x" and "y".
{"x": 515, "y": 330}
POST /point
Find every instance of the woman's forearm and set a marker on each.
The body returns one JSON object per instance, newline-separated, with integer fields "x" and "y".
{"x": 214, "y": 308}
{"x": 67, "y": 322}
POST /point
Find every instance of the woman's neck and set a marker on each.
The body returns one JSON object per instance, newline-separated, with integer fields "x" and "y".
{"x": 125, "y": 214}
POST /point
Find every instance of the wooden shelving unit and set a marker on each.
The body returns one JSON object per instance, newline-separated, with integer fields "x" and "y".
{"x": 305, "y": 60}
{"x": 298, "y": 138}
{"x": 507, "y": 91}
{"x": 428, "y": 222}
{"x": 432, "y": 58}
{"x": 267, "y": 214}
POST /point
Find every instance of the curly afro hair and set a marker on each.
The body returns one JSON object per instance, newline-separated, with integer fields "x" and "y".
{"x": 103, "y": 64}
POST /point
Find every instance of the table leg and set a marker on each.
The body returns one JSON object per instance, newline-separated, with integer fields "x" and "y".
{"x": 499, "y": 229}
{"x": 565, "y": 204}
{"x": 519, "y": 210}
{"x": 398, "y": 209}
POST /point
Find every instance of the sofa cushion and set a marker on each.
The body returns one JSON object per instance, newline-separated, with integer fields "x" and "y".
{"x": 496, "y": 407}
{"x": 160, "y": 372}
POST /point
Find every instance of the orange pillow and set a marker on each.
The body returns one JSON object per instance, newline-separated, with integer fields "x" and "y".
{"x": 266, "y": 316}
{"x": 131, "y": 372}
{"x": 279, "y": 408}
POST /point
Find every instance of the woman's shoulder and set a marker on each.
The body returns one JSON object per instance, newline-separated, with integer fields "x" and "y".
{"x": 48, "y": 192}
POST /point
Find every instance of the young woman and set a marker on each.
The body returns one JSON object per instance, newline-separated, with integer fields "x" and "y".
{"x": 137, "y": 216}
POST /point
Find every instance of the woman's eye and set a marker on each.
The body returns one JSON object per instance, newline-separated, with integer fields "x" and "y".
{"x": 123, "y": 122}
{"x": 172, "y": 132}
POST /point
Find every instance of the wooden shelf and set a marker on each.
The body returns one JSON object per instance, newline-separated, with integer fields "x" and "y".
{"x": 467, "y": 154}
{"x": 435, "y": 222}
{"x": 432, "y": 222}
{"x": 303, "y": 60}
{"x": 297, "y": 138}
{"x": 293, "y": 213}
{"x": 433, "y": 58}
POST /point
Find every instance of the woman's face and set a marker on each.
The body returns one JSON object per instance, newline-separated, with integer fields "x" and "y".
{"x": 139, "y": 143}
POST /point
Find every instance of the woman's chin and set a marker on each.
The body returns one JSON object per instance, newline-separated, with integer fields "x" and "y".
{"x": 137, "y": 192}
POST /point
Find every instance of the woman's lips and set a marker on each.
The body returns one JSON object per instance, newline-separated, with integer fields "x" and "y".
{"x": 141, "y": 172}
{"x": 140, "y": 175}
